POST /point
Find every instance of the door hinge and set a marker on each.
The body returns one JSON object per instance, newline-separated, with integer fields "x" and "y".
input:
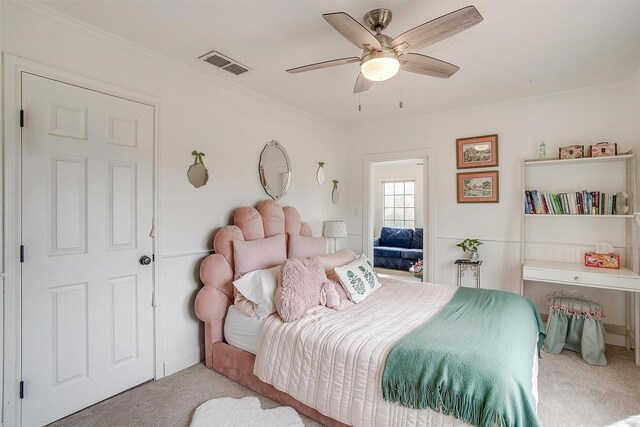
{"x": 21, "y": 389}
{"x": 21, "y": 118}
{"x": 21, "y": 253}
{"x": 153, "y": 257}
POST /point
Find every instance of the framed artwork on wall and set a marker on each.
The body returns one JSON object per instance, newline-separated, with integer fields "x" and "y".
{"x": 478, "y": 187}
{"x": 477, "y": 152}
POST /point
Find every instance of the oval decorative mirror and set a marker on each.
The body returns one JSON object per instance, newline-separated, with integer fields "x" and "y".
{"x": 275, "y": 170}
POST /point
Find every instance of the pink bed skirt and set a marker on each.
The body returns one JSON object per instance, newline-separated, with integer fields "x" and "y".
{"x": 238, "y": 364}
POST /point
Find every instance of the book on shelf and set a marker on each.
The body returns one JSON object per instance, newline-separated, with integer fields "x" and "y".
{"x": 578, "y": 203}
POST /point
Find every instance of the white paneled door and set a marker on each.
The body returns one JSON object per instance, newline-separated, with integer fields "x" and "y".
{"x": 87, "y": 208}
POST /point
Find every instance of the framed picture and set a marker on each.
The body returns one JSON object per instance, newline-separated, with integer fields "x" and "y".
{"x": 477, "y": 152}
{"x": 478, "y": 187}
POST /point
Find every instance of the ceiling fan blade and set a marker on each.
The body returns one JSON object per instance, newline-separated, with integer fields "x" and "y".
{"x": 352, "y": 30}
{"x": 422, "y": 64}
{"x": 439, "y": 29}
{"x": 362, "y": 84}
{"x": 324, "y": 64}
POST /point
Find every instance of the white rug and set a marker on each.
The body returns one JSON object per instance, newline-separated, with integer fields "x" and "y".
{"x": 230, "y": 412}
{"x": 629, "y": 422}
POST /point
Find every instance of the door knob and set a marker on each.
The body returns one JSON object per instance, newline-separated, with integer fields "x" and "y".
{"x": 145, "y": 260}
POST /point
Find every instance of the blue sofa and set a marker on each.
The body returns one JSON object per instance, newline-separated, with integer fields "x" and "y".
{"x": 397, "y": 248}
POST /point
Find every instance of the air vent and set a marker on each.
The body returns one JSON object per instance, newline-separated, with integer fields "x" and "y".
{"x": 218, "y": 61}
{"x": 236, "y": 69}
{"x": 224, "y": 62}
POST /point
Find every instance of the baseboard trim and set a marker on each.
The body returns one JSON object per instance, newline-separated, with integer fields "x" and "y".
{"x": 183, "y": 360}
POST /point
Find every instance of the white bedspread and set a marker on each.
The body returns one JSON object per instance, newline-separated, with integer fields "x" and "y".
{"x": 333, "y": 361}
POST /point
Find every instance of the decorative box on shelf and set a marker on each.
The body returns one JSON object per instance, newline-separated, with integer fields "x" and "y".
{"x": 571, "y": 152}
{"x": 603, "y": 149}
{"x": 592, "y": 259}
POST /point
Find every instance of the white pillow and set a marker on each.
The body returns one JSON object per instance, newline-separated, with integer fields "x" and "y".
{"x": 358, "y": 278}
{"x": 259, "y": 287}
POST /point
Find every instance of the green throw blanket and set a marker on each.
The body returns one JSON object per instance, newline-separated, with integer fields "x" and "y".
{"x": 472, "y": 360}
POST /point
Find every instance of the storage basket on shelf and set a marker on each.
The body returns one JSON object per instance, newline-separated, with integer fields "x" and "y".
{"x": 575, "y": 323}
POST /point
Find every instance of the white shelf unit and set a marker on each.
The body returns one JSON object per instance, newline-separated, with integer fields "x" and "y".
{"x": 626, "y": 278}
{"x": 581, "y": 216}
{"x": 583, "y": 160}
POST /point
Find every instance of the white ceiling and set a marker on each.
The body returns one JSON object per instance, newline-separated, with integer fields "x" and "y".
{"x": 521, "y": 49}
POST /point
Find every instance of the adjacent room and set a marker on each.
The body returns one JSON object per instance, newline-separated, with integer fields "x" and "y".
{"x": 397, "y": 206}
{"x": 320, "y": 213}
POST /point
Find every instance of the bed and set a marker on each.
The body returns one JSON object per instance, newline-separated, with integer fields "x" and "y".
{"x": 327, "y": 365}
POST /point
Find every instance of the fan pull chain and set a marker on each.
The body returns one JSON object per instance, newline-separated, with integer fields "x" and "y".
{"x": 401, "y": 95}
{"x": 359, "y": 102}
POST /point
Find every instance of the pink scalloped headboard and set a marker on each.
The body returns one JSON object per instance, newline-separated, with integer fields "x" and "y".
{"x": 217, "y": 270}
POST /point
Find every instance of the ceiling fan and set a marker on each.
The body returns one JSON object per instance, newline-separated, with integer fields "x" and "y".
{"x": 382, "y": 57}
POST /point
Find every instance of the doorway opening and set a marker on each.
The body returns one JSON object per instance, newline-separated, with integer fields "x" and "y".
{"x": 397, "y": 207}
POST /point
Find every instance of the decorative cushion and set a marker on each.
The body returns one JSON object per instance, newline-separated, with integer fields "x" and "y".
{"x": 304, "y": 247}
{"x": 396, "y": 237}
{"x": 358, "y": 278}
{"x": 337, "y": 259}
{"x": 300, "y": 288}
{"x": 245, "y": 306}
{"x": 388, "y": 251}
{"x": 258, "y": 254}
{"x": 412, "y": 253}
{"x": 416, "y": 242}
{"x": 259, "y": 287}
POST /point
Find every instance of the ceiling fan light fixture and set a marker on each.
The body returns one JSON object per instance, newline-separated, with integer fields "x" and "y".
{"x": 379, "y": 66}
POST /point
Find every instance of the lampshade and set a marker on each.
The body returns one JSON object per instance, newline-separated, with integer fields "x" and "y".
{"x": 379, "y": 66}
{"x": 335, "y": 229}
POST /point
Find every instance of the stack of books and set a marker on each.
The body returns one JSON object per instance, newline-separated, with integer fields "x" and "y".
{"x": 578, "y": 203}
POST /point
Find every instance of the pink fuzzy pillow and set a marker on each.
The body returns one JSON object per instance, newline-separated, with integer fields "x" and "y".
{"x": 303, "y": 247}
{"x": 302, "y": 281}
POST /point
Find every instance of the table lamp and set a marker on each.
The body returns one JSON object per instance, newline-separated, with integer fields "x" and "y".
{"x": 334, "y": 230}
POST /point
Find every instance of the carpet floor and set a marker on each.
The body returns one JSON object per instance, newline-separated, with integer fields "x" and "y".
{"x": 572, "y": 393}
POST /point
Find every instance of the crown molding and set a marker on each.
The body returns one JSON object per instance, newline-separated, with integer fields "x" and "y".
{"x": 63, "y": 19}
{"x": 540, "y": 98}
{"x": 102, "y": 35}
{"x": 628, "y": 83}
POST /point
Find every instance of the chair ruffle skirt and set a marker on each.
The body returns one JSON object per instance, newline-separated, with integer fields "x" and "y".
{"x": 575, "y": 323}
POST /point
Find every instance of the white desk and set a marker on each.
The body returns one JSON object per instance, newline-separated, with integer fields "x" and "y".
{"x": 578, "y": 275}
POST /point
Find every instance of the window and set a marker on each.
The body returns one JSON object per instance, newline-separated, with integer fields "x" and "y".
{"x": 399, "y": 204}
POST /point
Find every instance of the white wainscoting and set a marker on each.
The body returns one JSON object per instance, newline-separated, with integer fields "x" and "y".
{"x": 500, "y": 263}
{"x": 501, "y": 269}
{"x": 184, "y": 333}
{"x": 564, "y": 252}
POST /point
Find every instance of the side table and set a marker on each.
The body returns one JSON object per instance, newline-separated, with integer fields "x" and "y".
{"x": 463, "y": 264}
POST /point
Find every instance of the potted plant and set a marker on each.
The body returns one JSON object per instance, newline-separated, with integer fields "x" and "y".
{"x": 417, "y": 269}
{"x": 470, "y": 247}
